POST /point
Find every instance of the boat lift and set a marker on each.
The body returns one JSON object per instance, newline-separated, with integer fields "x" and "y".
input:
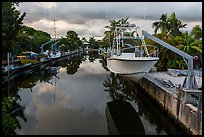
{"x": 41, "y": 47}
{"x": 190, "y": 81}
{"x": 52, "y": 46}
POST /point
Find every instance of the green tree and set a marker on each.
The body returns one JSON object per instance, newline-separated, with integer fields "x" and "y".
{"x": 170, "y": 25}
{"x": 31, "y": 39}
{"x": 63, "y": 41}
{"x": 124, "y": 21}
{"x": 11, "y": 109}
{"x": 106, "y": 40}
{"x": 11, "y": 24}
{"x": 190, "y": 45}
{"x": 175, "y": 25}
{"x": 94, "y": 44}
{"x": 109, "y": 33}
{"x": 84, "y": 39}
{"x": 196, "y": 32}
{"x": 73, "y": 41}
{"x": 162, "y": 24}
{"x": 8, "y": 124}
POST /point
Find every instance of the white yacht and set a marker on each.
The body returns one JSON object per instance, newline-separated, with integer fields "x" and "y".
{"x": 129, "y": 54}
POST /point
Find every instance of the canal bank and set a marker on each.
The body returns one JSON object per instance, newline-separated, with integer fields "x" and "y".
{"x": 15, "y": 72}
{"x": 182, "y": 105}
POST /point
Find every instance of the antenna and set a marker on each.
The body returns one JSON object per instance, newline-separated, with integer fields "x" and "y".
{"x": 145, "y": 11}
{"x": 54, "y": 29}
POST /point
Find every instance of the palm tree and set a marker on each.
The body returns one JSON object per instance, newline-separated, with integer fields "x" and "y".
{"x": 124, "y": 21}
{"x": 162, "y": 24}
{"x": 169, "y": 24}
{"x": 113, "y": 25}
{"x": 106, "y": 39}
{"x": 174, "y": 25}
{"x": 109, "y": 34}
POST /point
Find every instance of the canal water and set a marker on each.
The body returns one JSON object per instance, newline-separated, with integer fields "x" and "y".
{"x": 70, "y": 96}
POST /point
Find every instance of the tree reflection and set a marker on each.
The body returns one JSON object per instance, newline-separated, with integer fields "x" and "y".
{"x": 45, "y": 75}
{"x": 29, "y": 81}
{"x": 49, "y": 72}
{"x": 11, "y": 108}
{"x": 119, "y": 88}
{"x": 63, "y": 63}
{"x": 94, "y": 55}
{"x": 123, "y": 89}
{"x": 103, "y": 61}
{"x": 73, "y": 65}
{"x": 121, "y": 116}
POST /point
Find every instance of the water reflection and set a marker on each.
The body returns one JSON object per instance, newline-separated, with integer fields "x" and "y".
{"x": 119, "y": 88}
{"x": 154, "y": 120}
{"x": 72, "y": 65}
{"x": 103, "y": 62}
{"x": 93, "y": 56}
{"x": 17, "y": 89}
{"x": 67, "y": 97}
{"x": 122, "y": 118}
{"x": 29, "y": 82}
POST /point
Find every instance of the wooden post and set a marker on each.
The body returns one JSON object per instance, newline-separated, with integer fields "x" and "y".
{"x": 178, "y": 91}
{"x": 199, "y": 120}
{"x": 8, "y": 57}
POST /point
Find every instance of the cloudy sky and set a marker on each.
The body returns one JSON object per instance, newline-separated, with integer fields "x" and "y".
{"x": 89, "y": 18}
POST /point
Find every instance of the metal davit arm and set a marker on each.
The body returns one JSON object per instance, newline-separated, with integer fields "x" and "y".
{"x": 41, "y": 47}
{"x": 191, "y": 84}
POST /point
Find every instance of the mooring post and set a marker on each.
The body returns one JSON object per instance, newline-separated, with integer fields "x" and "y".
{"x": 8, "y": 59}
{"x": 199, "y": 119}
{"x": 178, "y": 91}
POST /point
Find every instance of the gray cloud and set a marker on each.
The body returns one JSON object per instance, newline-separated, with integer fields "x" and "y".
{"x": 83, "y": 13}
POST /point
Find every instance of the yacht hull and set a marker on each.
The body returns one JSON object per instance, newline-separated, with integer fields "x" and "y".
{"x": 131, "y": 67}
{"x": 26, "y": 61}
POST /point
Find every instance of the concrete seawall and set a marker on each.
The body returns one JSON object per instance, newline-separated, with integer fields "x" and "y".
{"x": 179, "y": 103}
